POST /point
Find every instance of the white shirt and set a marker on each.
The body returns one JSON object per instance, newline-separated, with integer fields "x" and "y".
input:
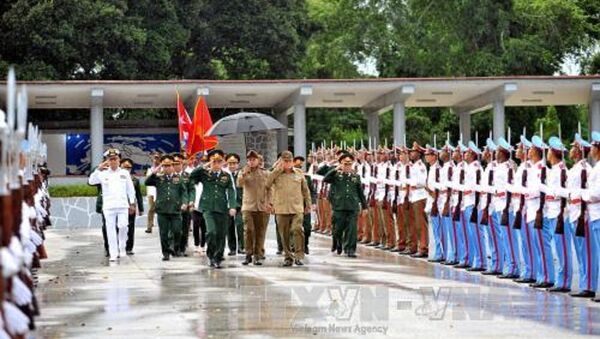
{"x": 470, "y": 184}
{"x": 592, "y": 193}
{"x": 455, "y": 183}
{"x": 417, "y": 182}
{"x": 380, "y": 176}
{"x": 445, "y": 182}
{"x": 364, "y": 170}
{"x": 432, "y": 183}
{"x": 500, "y": 185}
{"x": 532, "y": 191}
{"x": 516, "y": 188}
{"x": 484, "y": 187}
{"x": 573, "y": 190}
{"x": 553, "y": 188}
{"x": 117, "y": 187}
{"x": 198, "y": 189}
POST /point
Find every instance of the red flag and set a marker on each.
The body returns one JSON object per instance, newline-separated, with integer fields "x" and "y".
{"x": 185, "y": 124}
{"x": 202, "y": 123}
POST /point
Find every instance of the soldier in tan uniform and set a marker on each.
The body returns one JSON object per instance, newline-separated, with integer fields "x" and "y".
{"x": 256, "y": 204}
{"x": 290, "y": 196}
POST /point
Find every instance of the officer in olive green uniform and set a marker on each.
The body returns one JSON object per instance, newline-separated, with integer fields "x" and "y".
{"x": 306, "y": 223}
{"x": 171, "y": 199}
{"x": 347, "y": 197}
{"x": 217, "y": 200}
{"x": 186, "y": 216}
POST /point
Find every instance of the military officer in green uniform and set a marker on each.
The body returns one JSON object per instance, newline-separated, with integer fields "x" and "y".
{"x": 171, "y": 199}
{"x": 307, "y": 223}
{"x": 217, "y": 202}
{"x": 186, "y": 216}
{"x": 347, "y": 198}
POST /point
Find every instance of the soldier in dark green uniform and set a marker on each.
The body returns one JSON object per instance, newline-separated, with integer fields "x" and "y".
{"x": 347, "y": 197}
{"x": 127, "y": 164}
{"x": 217, "y": 203}
{"x": 171, "y": 199}
{"x": 306, "y": 223}
{"x": 186, "y": 216}
{"x": 236, "y": 225}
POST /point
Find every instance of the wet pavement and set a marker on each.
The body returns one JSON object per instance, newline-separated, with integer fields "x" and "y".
{"x": 380, "y": 294}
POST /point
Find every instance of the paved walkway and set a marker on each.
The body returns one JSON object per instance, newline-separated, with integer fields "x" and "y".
{"x": 380, "y": 294}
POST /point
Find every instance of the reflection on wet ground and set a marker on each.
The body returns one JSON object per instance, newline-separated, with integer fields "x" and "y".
{"x": 379, "y": 294}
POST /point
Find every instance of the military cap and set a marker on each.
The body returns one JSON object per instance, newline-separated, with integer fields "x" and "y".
{"x": 112, "y": 152}
{"x": 252, "y": 154}
{"x": 345, "y": 156}
{"x": 417, "y": 148}
{"x": 523, "y": 141}
{"x": 579, "y": 141}
{"x": 537, "y": 142}
{"x": 166, "y": 159}
{"x": 430, "y": 150}
{"x": 556, "y": 144}
{"x": 287, "y": 156}
{"x": 232, "y": 155}
{"x": 473, "y": 148}
{"x": 216, "y": 155}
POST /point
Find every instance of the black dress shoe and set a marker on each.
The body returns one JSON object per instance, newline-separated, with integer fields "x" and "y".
{"x": 491, "y": 273}
{"x": 596, "y": 300}
{"x": 407, "y": 252}
{"x": 450, "y": 263}
{"x": 508, "y": 276}
{"x": 211, "y": 263}
{"x": 351, "y": 255}
{"x": 339, "y": 249}
{"x": 541, "y": 285}
{"x": 247, "y": 260}
{"x": 462, "y": 266}
{"x": 218, "y": 264}
{"x": 475, "y": 269}
{"x": 394, "y": 250}
{"x": 278, "y": 252}
{"x": 257, "y": 263}
{"x": 419, "y": 255}
{"x": 287, "y": 263}
{"x": 524, "y": 280}
{"x": 373, "y": 244}
{"x": 559, "y": 290}
{"x": 434, "y": 260}
{"x": 386, "y": 248}
{"x": 129, "y": 252}
{"x": 165, "y": 258}
{"x": 298, "y": 262}
{"x": 231, "y": 253}
{"x": 148, "y": 230}
{"x": 583, "y": 294}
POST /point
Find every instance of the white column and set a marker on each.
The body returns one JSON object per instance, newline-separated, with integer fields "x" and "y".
{"x": 399, "y": 123}
{"x": 97, "y": 126}
{"x": 300, "y": 130}
{"x": 282, "y": 135}
{"x": 373, "y": 127}
{"x": 465, "y": 126}
{"x": 498, "y": 127}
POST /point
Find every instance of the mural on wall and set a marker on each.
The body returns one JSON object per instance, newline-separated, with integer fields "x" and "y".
{"x": 133, "y": 146}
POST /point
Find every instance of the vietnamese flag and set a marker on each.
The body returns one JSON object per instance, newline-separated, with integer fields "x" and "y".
{"x": 202, "y": 123}
{"x": 184, "y": 122}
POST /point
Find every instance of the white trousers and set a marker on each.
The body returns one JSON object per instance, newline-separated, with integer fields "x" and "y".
{"x": 116, "y": 217}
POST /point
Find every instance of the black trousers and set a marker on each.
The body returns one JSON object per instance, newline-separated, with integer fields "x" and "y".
{"x": 199, "y": 229}
{"x": 130, "y": 233}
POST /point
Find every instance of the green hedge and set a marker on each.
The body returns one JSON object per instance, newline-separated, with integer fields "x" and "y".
{"x": 81, "y": 190}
